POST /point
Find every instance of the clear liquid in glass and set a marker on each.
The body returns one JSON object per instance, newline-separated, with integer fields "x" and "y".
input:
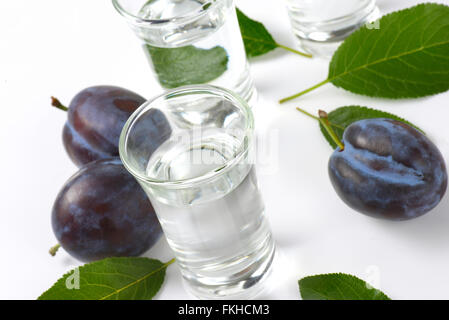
{"x": 321, "y": 25}
{"x": 203, "y": 27}
{"x": 218, "y": 230}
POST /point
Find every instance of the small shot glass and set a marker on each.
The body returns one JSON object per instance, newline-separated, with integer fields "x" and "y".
{"x": 201, "y": 180}
{"x": 321, "y": 25}
{"x": 191, "y": 42}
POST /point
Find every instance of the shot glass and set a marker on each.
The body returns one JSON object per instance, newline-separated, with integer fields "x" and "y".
{"x": 201, "y": 180}
{"x": 321, "y": 25}
{"x": 191, "y": 42}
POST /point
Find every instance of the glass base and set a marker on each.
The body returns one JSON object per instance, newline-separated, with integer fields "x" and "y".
{"x": 323, "y": 39}
{"x": 318, "y": 49}
{"x": 245, "y": 88}
{"x": 250, "y": 283}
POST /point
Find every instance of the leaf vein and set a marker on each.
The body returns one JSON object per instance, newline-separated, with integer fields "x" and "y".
{"x": 117, "y": 291}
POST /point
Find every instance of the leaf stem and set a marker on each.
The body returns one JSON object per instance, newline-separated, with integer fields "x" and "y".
{"x": 324, "y": 120}
{"x": 307, "y": 55}
{"x": 308, "y": 114}
{"x": 56, "y": 103}
{"x": 54, "y": 249}
{"x": 318, "y": 119}
{"x": 304, "y": 92}
{"x": 169, "y": 262}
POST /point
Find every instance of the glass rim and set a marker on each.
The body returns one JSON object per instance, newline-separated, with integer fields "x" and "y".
{"x": 348, "y": 15}
{"x": 243, "y": 148}
{"x": 157, "y": 23}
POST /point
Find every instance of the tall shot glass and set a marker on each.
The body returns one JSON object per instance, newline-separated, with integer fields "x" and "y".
{"x": 191, "y": 42}
{"x": 321, "y": 25}
{"x": 202, "y": 183}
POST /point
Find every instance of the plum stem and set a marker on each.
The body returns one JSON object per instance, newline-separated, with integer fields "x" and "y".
{"x": 56, "y": 103}
{"x": 304, "y": 92}
{"x": 324, "y": 120}
{"x": 54, "y": 249}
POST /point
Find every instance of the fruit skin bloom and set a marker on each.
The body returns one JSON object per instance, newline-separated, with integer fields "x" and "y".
{"x": 388, "y": 170}
{"x": 103, "y": 212}
{"x": 96, "y": 116}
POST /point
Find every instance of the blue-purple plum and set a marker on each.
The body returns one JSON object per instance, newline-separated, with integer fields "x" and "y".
{"x": 96, "y": 116}
{"x": 388, "y": 170}
{"x": 103, "y": 212}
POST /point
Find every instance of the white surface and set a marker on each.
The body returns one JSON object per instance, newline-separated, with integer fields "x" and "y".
{"x": 52, "y": 47}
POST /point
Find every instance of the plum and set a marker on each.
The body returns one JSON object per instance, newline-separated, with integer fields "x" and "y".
{"x": 96, "y": 116}
{"x": 102, "y": 212}
{"x": 388, "y": 169}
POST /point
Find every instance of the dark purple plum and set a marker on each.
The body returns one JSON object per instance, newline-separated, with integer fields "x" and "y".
{"x": 103, "y": 212}
{"x": 96, "y": 116}
{"x": 388, "y": 170}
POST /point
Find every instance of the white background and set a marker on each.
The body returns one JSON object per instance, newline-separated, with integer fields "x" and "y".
{"x": 53, "y": 47}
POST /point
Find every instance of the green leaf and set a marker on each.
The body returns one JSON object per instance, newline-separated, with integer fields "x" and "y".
{"x": 257, "y": 39}
{"x": 338, "y": 286}
{"x": 181, "y": 66}
{"x": 406, "y": 57}
{"x": 110, "y": 279}
{"x": 342, "y": 117}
